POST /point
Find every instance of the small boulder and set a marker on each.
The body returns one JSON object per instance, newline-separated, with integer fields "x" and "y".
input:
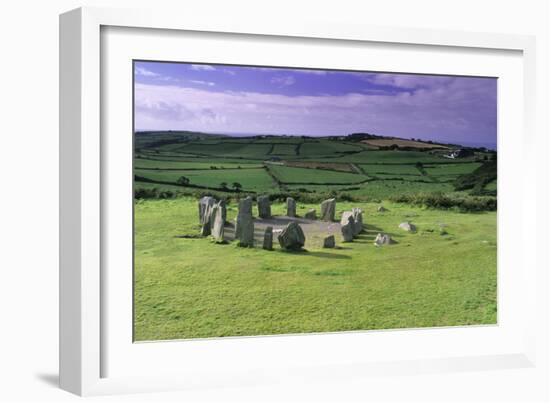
{"x": 407, "y": 226}
{"x": 290, "y": 207}
{"x": 347, "y": 226}
{"x": 383, "y": 239}
{"x": 268, "y": 239}
{"x": 329, "y": 242}
{"x": 381, "y": 209}
{"x": 311, "y": 215}
{"x": 264, "y": 207}
{"x": 328, "y": 210}
{"x": 292, "y": 237}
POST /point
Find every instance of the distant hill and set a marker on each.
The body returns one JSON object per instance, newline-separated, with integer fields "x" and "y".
{"x": 388, "y": 143}
{"x": 152, "y": 139}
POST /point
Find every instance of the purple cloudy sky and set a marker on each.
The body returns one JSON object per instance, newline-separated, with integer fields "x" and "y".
{"x": 255, "y": 100}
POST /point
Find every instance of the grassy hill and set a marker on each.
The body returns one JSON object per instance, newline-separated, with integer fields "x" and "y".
{"x": 359, "y": 166}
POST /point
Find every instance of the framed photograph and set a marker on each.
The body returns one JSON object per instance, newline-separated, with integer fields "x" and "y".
{"x": 243, "y": 204}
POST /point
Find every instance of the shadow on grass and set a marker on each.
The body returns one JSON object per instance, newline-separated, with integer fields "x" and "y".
{"x": 327, "y": 255}
{"x": 189, "y": 236}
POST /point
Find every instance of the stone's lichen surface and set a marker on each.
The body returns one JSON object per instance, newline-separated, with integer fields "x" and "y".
{"x": 290, "y": 207}
{"x": 268, "y": 239}
{"x": 328, "y": 210}
{"x": 347, "y": 226}
{"x": 264, "y": 207}
{"x": 292, "y": 237}
{"x": 329, "y": 242}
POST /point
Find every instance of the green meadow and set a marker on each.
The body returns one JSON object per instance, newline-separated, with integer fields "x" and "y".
{"x": 190, "y": 287}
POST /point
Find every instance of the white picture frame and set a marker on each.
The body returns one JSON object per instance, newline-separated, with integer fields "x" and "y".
{"x": 85, "y": 344}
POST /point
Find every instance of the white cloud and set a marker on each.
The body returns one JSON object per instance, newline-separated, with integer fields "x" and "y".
{"x": 200, "y": 82}
{"x": 142, "y": 71}
{"x": 408, "y": 81}
{"x": 202, "y": 67}
{"x": 283, "y": 81}
{"x": 462, "y": 108}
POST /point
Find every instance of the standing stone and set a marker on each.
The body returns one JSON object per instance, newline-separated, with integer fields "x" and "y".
{"x": 264, "y": 207}
{"x": 292, "y": 237}
{"x": 347, "y": 226}
{"x": 383, "y": 239}
{"x": 329, "y": 242}
{"x": 290, "y": 207}
{"x": 358, "y": 220}
{"x": 244, "y": 228}
{"x": 204, "y": 203}
{"x": 245, "y": 212}
{"x": 311, "y": 215}
{"x": 206, "y": 217}
{"x": 219, "y": 221}
{"x": 407, "y": 226}
{"x": 328, "y": 210}
{"x": 268, "y": 238}
{"x": 223, "y": 208}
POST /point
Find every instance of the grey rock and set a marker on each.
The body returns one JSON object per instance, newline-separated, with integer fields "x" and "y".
{"x": 347, "y": 225}
{"x": 290, "y": 207}
{"x": 311, "y": 214}
{"x": 329, "y": 242}
{"x": 205, "y": 213}
{"x": 292, "y": 237}
{"x": 204, "y": 203}
{"x": 264, "y": 207}
{"x": 244, "y": 225}
{"x": 407, "y": 226}
{"x": 381, "y": 209}
{"x": 328, "y": 210}
{"x": 218, "y": 225}
{"x": 268, "y": 238}
{"x": 383, "y": 239}
{"x": 358, "y": 220}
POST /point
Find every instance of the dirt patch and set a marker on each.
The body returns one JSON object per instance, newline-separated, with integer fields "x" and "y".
{"x": 314, "y": 230}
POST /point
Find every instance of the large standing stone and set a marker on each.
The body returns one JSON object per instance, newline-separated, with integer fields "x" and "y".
{"x": 311, "y": 214}
{"x": 328, "y": 210}
{"x": 264, "y": 207}
{"x": 407, "y": 226}
{"x": 204, "y": 203}
{"x": 347, "y": 225}
{"x": 292, "y": 237}
{"x": 290, "y": 207}
{"x": 383, "y": 239}
{"x": 244, "y": 214}
{"x": 329, "y": 242}
{"x": 268, "y": 238}
{"x": 358, "y": 220}
{"x": 244, "y": 227}
{"x": 218, "y": 225}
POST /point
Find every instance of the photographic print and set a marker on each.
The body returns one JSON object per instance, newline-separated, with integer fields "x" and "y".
{"x": 278, "y": 200}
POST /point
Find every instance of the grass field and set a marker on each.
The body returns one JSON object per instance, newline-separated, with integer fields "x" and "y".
{"x": 188, "y": 288}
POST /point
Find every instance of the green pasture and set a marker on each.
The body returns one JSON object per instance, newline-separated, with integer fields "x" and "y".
{"x": 190, "y": 164}
{"x": 251, "y": 179}
{"x": 313, "y": 176}
{"x": 189, "y": 287}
